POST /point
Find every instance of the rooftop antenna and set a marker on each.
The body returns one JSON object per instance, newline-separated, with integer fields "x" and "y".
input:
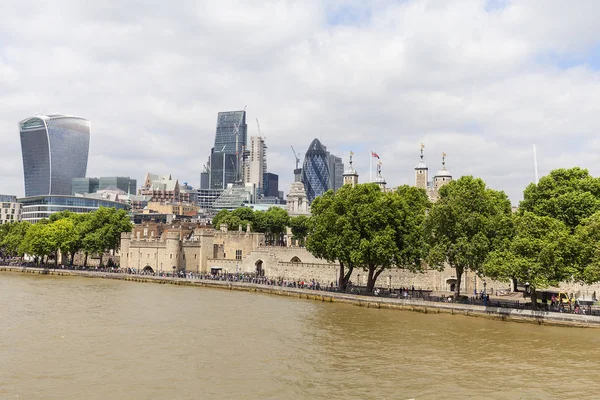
{"x": 535, "y": 166}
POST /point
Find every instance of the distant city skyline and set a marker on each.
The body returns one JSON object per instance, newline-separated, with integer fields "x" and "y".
{"x": 482, "y": 81}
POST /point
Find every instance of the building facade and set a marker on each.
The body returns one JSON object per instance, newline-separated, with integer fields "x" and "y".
{"x": 230, "y": 143}
{"x": 207, "y": 197}
{"x": 271, "y": 185}
{"x": 255, "y": 167}
{"x": 315, "y": 170}
{"x": 163, "y": 189}
{"x": 84, "y": 185}
{"x": 36, "y": 208}
{"x": 55, "y": 150}
{"x": 336, "y": 172}
{"x": 10, "y": 211}
{"x": 123, "y": 183}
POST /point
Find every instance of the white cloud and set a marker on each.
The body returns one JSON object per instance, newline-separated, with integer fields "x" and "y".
{"x": 460, "y": 76}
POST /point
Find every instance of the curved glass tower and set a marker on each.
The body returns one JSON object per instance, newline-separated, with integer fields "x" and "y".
{"x": 315, "y": 170}
{"x": 55, "y": 150}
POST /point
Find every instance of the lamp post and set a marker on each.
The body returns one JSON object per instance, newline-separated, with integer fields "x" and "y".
{"x": 358, "y": 278}
{"x": 390, "y": 283}
{"x": 484, "y": 293}
{"x": 174, "y": 268}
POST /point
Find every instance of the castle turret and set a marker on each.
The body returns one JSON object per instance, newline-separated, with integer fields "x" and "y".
{"x": 421, "y": 172}
{"x": 379, "y": 180}
{"x": 442, "y": 177}
{"x": 124, "y": 249}
{"x": 350, "y": 175}
{"x": 172, "y": 251}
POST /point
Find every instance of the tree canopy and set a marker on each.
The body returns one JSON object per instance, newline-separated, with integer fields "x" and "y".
{"x": 467, "y": 222}
{"x": 363, "y": 227}
{"x": 569, "y": 195}
{"x": 540, "y": 253}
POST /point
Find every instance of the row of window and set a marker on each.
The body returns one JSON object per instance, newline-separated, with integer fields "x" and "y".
{"x": 170, "y": 256}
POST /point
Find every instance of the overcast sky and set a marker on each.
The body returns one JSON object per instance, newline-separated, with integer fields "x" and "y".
{"x": 480, "y": 80}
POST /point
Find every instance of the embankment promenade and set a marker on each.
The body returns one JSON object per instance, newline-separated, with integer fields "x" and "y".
{"x": 428, "y": 307}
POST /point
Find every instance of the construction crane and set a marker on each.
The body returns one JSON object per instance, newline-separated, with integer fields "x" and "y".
{"x": 258, "y": 125}
{"x": 296, "y": 156}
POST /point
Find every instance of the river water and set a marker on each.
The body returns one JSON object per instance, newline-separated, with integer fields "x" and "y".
{"x": 76, "y": 338}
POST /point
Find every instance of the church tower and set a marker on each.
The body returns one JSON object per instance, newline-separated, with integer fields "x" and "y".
{"x": 380, "y": 179}
{"x": 442, "y": 177}
{"x": 350, "y": 176}
{"x": 421, "y": 172}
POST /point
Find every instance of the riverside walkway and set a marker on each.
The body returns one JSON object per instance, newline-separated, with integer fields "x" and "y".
{"x": 309, "y": 290}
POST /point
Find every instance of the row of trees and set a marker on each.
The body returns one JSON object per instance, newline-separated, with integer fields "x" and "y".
{"x": 273, "y": 223}
{"x": 553, "y": 237}
{"x": 67, "y": 232}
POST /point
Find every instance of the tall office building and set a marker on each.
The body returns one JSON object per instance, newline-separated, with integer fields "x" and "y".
{"x": 255, "y": 167}
{"x": 315, "y": 170}
{"x": 321, "y": 171}
{"x": 336, "y": 172}
{"x": 271, "y": 185}
{"x": 230, "y": 142}
{"x": 55, "y": 150}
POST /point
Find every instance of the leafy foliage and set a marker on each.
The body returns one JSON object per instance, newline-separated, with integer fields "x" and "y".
{"x": 569, "y": 195}
{"x": 68, "y": 232}
{"x": 300, "y": 228}
{"x": 465, "y": 225}
{"x": 363, "y": 227}
{"x": 539, "y": 253}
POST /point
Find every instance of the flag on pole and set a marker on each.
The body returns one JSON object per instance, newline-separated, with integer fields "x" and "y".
{"x": 373, "y": 154}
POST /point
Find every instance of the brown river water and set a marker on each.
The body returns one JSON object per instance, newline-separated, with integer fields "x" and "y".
{"x": 81, "y": 338}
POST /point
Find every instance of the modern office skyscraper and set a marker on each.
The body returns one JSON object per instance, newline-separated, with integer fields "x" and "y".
{"x": 315, "y": 170}
{"x": 271, "y": 185}
{"x": 230, "y": 142}
{"x": 336, "y": 172}
{"x": 255, "y": 167}
{"x": 55, "y": 150}
{"x": 321, "y": 171}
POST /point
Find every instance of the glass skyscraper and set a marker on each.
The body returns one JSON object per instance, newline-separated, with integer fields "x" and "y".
{"x": 223, "y": 154}
{"x": 228, "y": 123}
{"x": 55, "y": 150}
{"x": 315, "y": 170}
{"x": 321, "y": 171}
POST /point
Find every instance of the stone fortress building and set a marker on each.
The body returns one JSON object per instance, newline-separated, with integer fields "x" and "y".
{"x": 189, "y": 247}
{"x": 441, "y": 178}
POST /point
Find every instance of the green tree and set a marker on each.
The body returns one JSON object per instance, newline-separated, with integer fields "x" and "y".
{"x": 104, "y": 230}
{"x": 540, "y": 254}
{"x": 273, "y": 223}
{"x": 36, "y": 242}
{"x": 587, "y": 240}
{"x": 61, "y": 235}
{"x": 362, "y": 227}
{"x": 569, "y": 195}
{"x": 465, "y": 225}
{"x": 15, "y": 236}
{"x": 331, "y": 236}
{"x": 221, "y": 217}
{"x": 300, "y": 228}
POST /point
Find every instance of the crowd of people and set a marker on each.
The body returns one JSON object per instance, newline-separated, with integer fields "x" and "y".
{"x": 555, "y": 305}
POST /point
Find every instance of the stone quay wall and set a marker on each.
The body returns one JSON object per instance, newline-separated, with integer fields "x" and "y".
{"x": 504, "y": 314}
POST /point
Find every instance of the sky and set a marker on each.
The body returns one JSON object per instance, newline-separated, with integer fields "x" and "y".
{"x": 482, "y": 81}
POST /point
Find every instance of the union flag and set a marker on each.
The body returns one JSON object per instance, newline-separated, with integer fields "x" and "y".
{"x": 373, "y": 154}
